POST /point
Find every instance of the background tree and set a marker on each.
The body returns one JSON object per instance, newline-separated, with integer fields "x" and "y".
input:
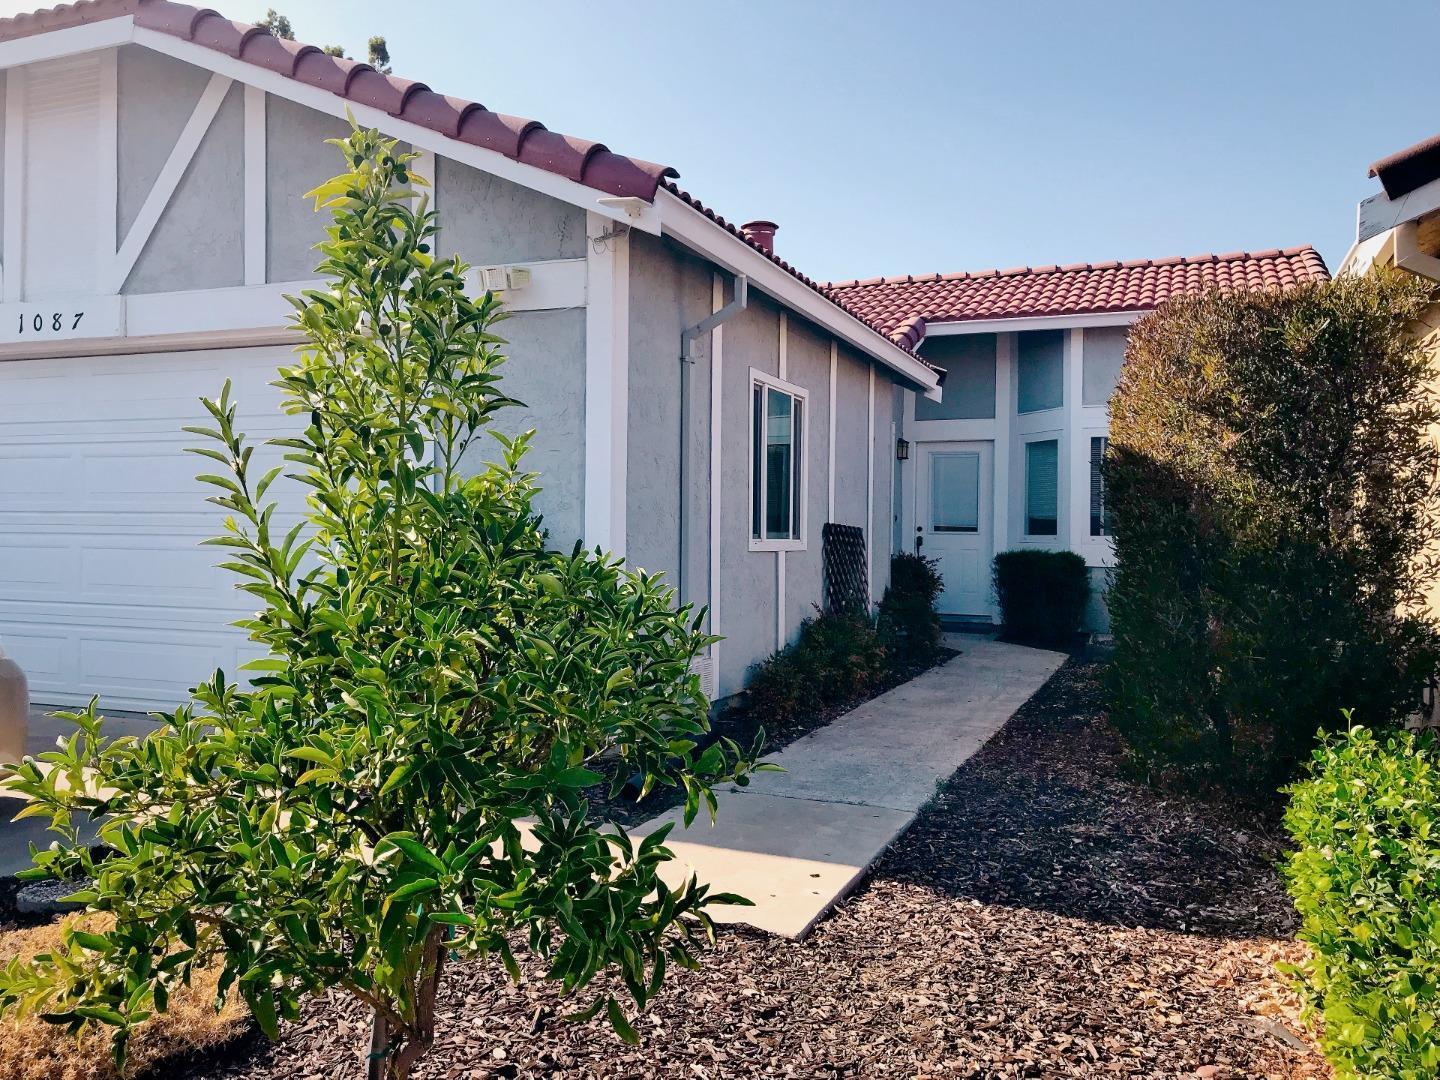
{"x": 277, "y": 24}
{"x": 403, "y": 781}
{"x": 378, "y": 51}
{"x": 1272, "y": 474}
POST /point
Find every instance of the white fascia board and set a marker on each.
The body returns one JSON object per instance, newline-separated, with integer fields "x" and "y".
{"x": 1380, "y": 213}
{"x": 106, "y": 34}
{"x": 1041, "y": 322}
{"x": 697, "y": 232}
{"x": 490, "y": 161}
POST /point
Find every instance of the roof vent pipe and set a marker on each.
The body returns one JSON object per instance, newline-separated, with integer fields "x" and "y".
{"x": 761, "y": 234}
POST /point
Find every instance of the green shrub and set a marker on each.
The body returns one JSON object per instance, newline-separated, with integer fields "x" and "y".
{"x": 1270, "y": 473}
{"x": 908, "y": 625}
{"x": 1042, "y": 594}
{"x": 1366, "y": 880}
{"x": 836, "y": 659}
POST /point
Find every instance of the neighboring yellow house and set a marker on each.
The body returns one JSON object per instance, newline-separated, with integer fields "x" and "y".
{"x": 1400, "y": 227}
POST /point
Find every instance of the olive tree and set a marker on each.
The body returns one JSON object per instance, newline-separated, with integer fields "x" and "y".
{"x": 401, "y": 782}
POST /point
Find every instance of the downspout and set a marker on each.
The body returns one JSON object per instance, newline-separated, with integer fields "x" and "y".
{"x": 688, "y": 339}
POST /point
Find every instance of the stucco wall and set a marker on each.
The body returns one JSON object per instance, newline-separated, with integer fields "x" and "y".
{"x": 545, "y": 369}
{"x": 198, "y": 243}
{"x": 852, "y": 390}
{"x": 296, "y": 160}
{"x": 488, "y": 220}
{"x": 807, "y": 364}
{"x": 669, "y": 291}
{"x": 969, "y": 363}
{"x": 748, "y": 578}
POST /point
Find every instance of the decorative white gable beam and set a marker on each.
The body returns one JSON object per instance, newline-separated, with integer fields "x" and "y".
{"x": 105, "y": 34}
{"x": 168, "y": 180}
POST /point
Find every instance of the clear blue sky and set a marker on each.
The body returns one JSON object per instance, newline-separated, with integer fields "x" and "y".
{"x": 910, "y": 137}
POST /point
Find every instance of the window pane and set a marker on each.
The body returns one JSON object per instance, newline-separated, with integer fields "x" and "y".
{"x": 1042, "y": 488}
{"x": 955, "y": 492}
{"x": 757, "y": 473}
{"x": 1041, "y": 370}
{"x": 1099, "y": 509}
{"x": 779, "y": 465}
{"x": 1104, "y": 353}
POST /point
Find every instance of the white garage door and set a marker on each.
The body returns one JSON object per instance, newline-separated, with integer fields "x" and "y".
{"x": 104, "y": 588}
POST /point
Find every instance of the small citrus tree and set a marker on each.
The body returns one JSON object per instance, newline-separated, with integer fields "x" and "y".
{"x": 402, "y": 782}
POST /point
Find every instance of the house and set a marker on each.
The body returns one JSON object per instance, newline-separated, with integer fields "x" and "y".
{"x": 702, "y": 408}
{"x": 1399, "y": 227}
{"x": 1010, "y": 457}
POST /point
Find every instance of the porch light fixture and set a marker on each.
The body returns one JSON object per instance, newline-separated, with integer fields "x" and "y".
{"x": 902, "y": 449}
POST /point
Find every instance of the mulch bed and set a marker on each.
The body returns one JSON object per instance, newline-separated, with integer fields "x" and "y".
{"x": 1045, "y": 917}
{"x": 741, "y": 722}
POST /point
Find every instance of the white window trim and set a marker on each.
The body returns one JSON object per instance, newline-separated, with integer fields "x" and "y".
{"x": 760, "y": 378}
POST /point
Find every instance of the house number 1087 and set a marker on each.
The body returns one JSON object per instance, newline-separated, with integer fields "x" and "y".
{"x": 54, "y": 323}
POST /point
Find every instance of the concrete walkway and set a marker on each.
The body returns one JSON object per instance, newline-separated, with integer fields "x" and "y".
{"x": 796, "y": 842}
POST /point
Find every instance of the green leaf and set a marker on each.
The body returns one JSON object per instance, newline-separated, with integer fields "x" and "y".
{"x": 620, "y": 1024}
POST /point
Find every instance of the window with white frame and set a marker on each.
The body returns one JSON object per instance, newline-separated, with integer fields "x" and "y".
{"x": 1100, "y": 520}
{"x": 777, "y": 464}
{"x": 1042, "y": 488}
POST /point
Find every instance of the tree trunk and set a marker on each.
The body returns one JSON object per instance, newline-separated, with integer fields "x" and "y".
{"x": 377, "y": 1065}
{"x": 393, "y": 1054}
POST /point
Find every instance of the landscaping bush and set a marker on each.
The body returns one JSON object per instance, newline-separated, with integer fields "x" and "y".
{"x": 1042, "y": 595}
{"x": 908, "y": 624}
{"x": 1270, "y": 475}
{"x": 1366, "y": 880}
{"x": 836, "y": 659}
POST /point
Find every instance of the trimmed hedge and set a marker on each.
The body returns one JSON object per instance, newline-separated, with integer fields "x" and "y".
{"x": 908, "y": 624}
{"x": 1366, "y": 881}
{"x": 1270, "y": 475}
{"x": 1042, "y": 594}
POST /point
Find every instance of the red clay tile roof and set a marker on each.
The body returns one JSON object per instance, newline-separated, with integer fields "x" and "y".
{"x": 1405, "y": 170}
{"x": 527, "y": 141}
{"x": 900, "y": 306}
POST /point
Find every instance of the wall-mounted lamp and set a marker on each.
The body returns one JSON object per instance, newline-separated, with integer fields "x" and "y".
{"x": 902, "y": 449}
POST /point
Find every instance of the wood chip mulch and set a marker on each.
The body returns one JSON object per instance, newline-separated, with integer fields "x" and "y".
{"x": 1045, "y": 917}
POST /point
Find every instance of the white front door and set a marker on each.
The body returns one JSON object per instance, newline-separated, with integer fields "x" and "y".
{"x": 952, "y": 521}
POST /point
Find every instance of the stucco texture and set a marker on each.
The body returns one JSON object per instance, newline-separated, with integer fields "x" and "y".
{"x": 488, "y": 220}
{"x": 545, "y": 369}
{"x": 669, "y": 291}
{"x": 296, "y": 161}
{"x": 198, "y": 242}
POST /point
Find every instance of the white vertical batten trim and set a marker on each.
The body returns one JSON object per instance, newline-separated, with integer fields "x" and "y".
{"x": 607, "y": 382}
{"x": 256, "y": 218}
{"x": 107, "y": 153}
{"x": 1005, "y": 403}
{"x": 717, "y": 484}
{"x": 14, "y": 185}
{"x": 781, "y": 367}
{"x": 1077, "y": 468}
{"x": 169, "y": 179}
{"x": 830, "y": 475}
{"x": 870, "y": 491}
